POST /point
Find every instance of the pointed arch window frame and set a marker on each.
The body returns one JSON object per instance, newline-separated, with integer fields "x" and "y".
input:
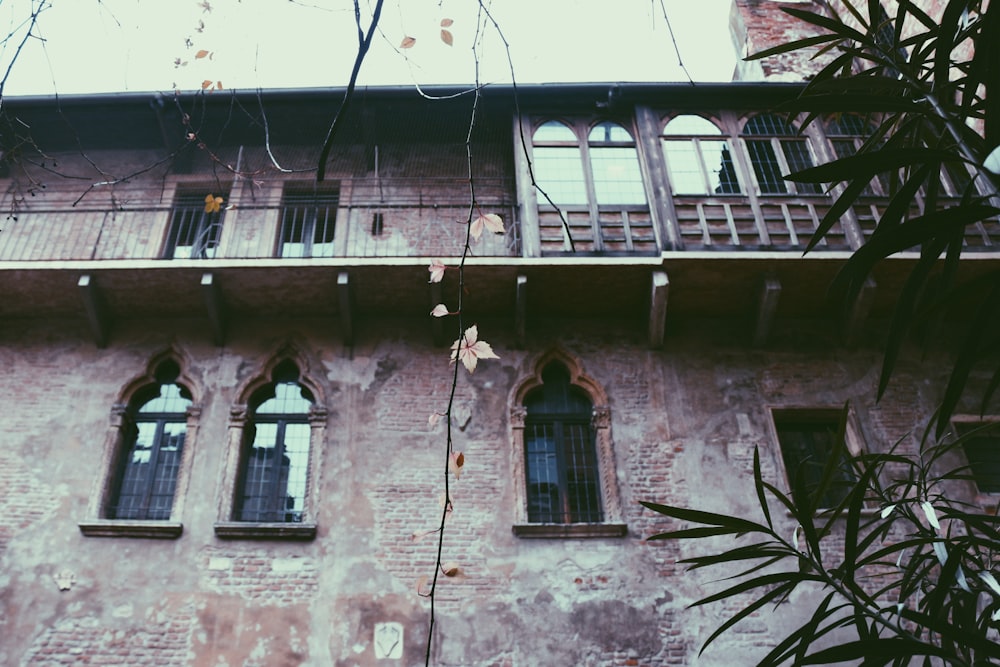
{"x": 227, "y": 526}
{"x": 612, "y": 524}
{"x": 116, "y": 443}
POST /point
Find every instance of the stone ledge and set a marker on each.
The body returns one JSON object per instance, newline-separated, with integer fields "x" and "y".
{"x": 569, "y": 530}
{"x": 167, "y": 530}
{"x": 240, "y": 530}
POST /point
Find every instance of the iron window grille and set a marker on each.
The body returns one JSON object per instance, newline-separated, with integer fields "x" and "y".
{"x": 775, "y": 148}
{"x": 275, "y": 462}
{"x": 194, "y": 232}
{"x": 808, "y": 439}
{"x": 560, "y": 455}
{"x": 699, "y": 158}
{"x": 308, "y": 221}
{"x": 146, "y": 476}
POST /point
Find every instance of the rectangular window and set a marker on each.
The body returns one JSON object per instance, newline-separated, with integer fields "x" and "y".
{"x": 561, "y": 473}
{"x": 981, "y": 443}
{"x": 195, "y": 227}
{"x": 308, "y": 217}
{"x": 808, "y": 439}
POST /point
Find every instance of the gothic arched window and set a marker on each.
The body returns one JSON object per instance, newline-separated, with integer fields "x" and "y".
{"x": 155, "y": 426}
{"x": 274, "y": 465}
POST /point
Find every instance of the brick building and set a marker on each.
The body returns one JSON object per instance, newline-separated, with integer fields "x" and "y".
{"x": 216, "y": 446}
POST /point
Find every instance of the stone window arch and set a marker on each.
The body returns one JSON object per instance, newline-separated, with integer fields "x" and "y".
{"x": 276, "y": 433}
{"x": 147, "y": 453}
{"x": 564, "y": 472}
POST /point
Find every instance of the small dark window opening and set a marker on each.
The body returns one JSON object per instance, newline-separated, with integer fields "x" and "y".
{"x": 275, "y": 462}
{"x": 194, "y": 233}
{"x": 376, "y": 224}
{"x": 560, "y": 454}
{"x": 155, "y": 427}
{"x": 981, "y": 443}
{"x": 807, "y": 442}
{"x": 771, "y": 133}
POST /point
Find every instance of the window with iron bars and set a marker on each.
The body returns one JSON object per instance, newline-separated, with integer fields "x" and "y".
{"x": 146, "y": 477}
{"x": 194, "y": 232}
{"x": 308, "y": 217}
{"x": 274, "y": 469}
{"x": 560, "y": 454}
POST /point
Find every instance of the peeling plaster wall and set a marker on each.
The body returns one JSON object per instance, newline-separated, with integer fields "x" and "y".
{"x": 684, "y": 422}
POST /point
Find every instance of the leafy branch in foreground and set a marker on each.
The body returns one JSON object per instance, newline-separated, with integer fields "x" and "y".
{"x": 923, "y": 83}
{"x": 905, "y": 572}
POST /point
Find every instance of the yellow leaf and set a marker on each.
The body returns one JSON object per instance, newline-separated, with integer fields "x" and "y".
{"x": 212, "y": 204}
{"x": 407, "y": 43}
{"x": 446, "y": 23}
{"x": 446, "y": 37}
{"x": 201, "y": 54}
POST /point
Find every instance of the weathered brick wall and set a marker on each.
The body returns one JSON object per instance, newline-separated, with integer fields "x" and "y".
{"x": 684, "y": 422}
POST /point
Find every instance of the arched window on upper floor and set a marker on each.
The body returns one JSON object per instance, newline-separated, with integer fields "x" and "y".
{"x": 275, "y": 434}
{"x": 147, "y": 455}
{"x": 775, "y": 149}
{"x": 565, "y": 467}
{"x": 591, "y": 195}
{"x": 699, "y": 158}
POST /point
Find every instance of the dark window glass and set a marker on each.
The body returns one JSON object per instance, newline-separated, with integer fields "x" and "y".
{"x": 771, "y": 133}
{"x": 147, "y": 471}
{"x": 308, "y": 217}
{"x": 807, "y": 442}
{"x": 194, "y": 233}
{"x": 275, "y": 462}
{"x": 847, "y": 133}
{"x": 559, "y": 452}
{"x": 982, "y": 450}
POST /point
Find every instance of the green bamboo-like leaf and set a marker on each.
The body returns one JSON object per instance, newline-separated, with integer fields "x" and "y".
{"x": 735, "y": 524}
{"x": 947, "y": 29}
{"x": 792, "y": 46}
{"x": 764, "y": 581}
{"x": 834, "y": 26}
{"x": 805, "y": 634}
{"x": 869, "y": 164}
{"x": 967, "y": 356}
{"x": 746, "y": 611}
{"x": 758, "y": 483}
{"x": 902, "y": 201}
{"x": 889, "y": 648}
{"x": 907, "y": 7}
{"x": 991, "y": 388}
{"x": 834, "y": 213}
{"x": 693, "y": 533}
{"x": 903, "y": 316}
{"x": 855, "y": 101}
{"x": 748, "y": 552}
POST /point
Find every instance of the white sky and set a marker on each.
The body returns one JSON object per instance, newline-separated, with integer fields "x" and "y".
{"x": 131, "y": 45}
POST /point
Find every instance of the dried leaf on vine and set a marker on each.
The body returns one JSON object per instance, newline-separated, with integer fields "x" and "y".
{"x": 455, "y": 462}
{"x": 440, "y": 310}
{"x": 202, "y": 54}
{"x": 436, "y": 270}
{"x": 421, "y": 582}
{"x": 447, "y": 38}
{"x": 213, "y": 204}
{"x": 469, "y": 350}
{"x": 490, "y": 221}
{"x": 407, "y": 42}
{"x": 451, "y": 569}
{"x": 446, "y": 23}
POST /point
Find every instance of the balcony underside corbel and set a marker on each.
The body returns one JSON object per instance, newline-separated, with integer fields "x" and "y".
{"x": 215, "y": 307}
{"x": 95, "y": 306}
{"x": 345, "y": 303}
{"x": 659, "y": 289}
{"x": 858, "y": 313}
{"x": 767, "y": 307}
